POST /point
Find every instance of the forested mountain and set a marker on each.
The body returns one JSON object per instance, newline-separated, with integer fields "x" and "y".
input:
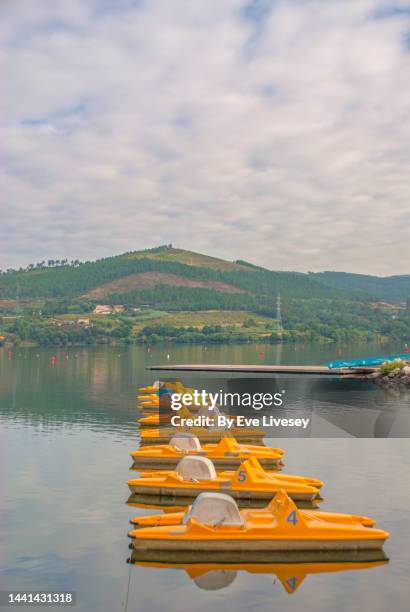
{"x": 172, "y": 295}
{"x": 175, "y": 279}
{"x": 390, "y": 288}
{"x": 202, "y": 279}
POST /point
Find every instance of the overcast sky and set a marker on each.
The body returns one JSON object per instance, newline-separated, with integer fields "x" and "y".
{"x": 272, "y": 131}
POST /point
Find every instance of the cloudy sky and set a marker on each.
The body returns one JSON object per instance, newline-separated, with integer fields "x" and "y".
{"x": 268, "y": 130}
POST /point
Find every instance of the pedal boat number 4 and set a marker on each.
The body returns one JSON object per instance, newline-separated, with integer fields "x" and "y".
{"x": 214, "y": 523}
{"x": 226, "y": 453}
{"x": 194, "y": 475}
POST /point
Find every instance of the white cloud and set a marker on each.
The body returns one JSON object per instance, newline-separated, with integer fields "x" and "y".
{"x": 280, "y": 136}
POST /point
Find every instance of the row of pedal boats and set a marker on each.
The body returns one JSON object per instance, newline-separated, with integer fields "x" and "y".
{"x": 239, "y": 501}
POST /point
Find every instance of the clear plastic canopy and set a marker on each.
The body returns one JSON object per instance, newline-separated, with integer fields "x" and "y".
{"x": 185, "y": 442}
{"x": 214, "y": 509}
{"x": 196, "y": 468}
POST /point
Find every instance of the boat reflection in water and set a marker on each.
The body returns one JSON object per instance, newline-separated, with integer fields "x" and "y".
{"x": 173, "y": 503}
{"x": 291, "y": 569}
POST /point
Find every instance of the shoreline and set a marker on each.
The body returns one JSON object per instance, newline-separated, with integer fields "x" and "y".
{"x": 396, "y": 379}
{"x": 255, "y": 340}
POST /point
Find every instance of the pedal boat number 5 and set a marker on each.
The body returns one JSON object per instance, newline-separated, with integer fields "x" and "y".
{"x": 214, "y": 523}
{"x": 194, "y": 475}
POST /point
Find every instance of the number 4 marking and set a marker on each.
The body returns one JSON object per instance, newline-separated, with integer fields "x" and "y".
{"x": 292, "y": 583}
{"x": 292, "y": 518}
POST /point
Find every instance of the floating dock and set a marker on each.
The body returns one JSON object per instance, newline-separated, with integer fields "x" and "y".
{"x": 312, "y": 370}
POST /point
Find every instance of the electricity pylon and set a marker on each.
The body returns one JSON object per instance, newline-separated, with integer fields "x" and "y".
{"x": 279, "y": 323}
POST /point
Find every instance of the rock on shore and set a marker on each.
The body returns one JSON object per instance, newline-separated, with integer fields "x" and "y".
{"x": 398, "y": 377}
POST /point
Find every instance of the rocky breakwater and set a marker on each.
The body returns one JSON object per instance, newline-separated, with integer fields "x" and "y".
{"x": 392, "y": 374}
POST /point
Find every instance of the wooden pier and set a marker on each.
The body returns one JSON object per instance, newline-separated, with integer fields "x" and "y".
{"x": 312, "y": 370}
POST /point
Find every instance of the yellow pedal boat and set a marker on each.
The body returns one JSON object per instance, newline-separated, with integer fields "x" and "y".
{"x": 252, "y": 515}
{"x": 162, "y": 416}
{"x": 214, "y": 522}
{"x": 194, "y": 475}
{"x": 163, "y": 435}
{"x": 150, "y": 394}
{"x": 153, "y": 400}
{"x": 157, "y": 384}
{"x": 163, "y": 407}
{"x": 176, "y": 385}
{"x": 154, "y": 403}
{"x": 226, "y": 453}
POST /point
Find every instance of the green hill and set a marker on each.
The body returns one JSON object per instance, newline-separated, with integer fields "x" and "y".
{"x": 177, "y": 279}
{"x": 166, "y": 277}
{"x": 389, "y": 288}
{"x": 180, "y": 296}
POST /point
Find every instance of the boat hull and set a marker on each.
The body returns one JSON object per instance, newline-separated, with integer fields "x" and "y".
{"x": 225, "y": 558}
{"x": 148, "y": 463}
{"x": 236, "y": 494}
{"x": 164, "y": 438}
{"x": 170, "y": 501}
{"x": 200, "y": 545}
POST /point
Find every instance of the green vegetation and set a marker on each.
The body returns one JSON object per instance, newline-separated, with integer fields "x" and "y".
{"x": 73, "y": 280}
{"x": 190, "y": 335}
{"x": 391, "y": 288}
{"x": 341, "y": 320}
{"x": 390, "y": 366}
{"x": 45, "y": 332}
{"x": 203, "y": 299}
{"x": 169, "y": 297}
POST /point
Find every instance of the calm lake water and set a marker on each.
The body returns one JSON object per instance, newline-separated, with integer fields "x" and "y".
{"x": 66, "y": 431}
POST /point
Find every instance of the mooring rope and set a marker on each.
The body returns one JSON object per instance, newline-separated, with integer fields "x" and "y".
{"x": 128, "y": 585}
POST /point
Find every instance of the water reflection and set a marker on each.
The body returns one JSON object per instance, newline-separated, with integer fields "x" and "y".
{"x": 149, "y": 502}
{"x": 97, "y": 385}
{"x": 66, "y": 432}
{"x": 289, "y": 570}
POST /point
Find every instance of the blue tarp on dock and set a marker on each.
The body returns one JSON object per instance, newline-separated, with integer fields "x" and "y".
{"x": 369, "y": 362}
